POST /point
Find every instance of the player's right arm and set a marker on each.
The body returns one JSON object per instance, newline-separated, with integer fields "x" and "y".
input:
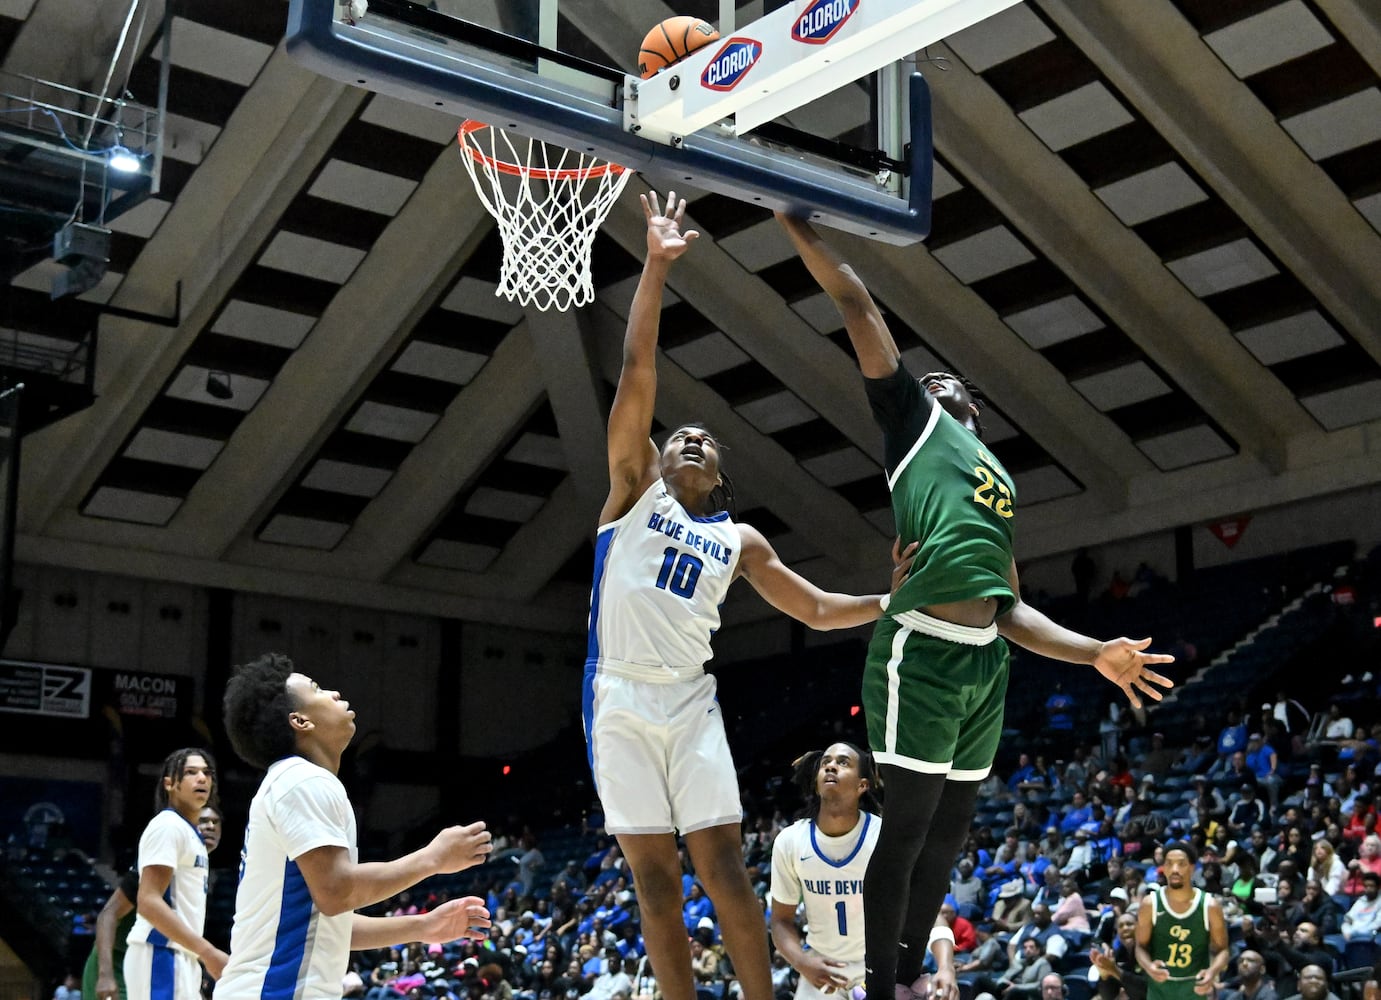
{"x": 153, "y": 907}
{"x": 872, "y": 342}
{"x": 339, "y": 885}
{"x": 116, "y": 908}
{"x": 944, "y": 984}
{"x": 1145, "y": 923}
{"x": 633, "y": 459}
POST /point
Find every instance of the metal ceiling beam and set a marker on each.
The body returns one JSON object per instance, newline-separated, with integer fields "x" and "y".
{"x": 1156, "y": 58}
{"x": 216, "y": 229}
{"x": 1051, "y": 206}
{"x": 358, "y": 334}
{"x": 1360, "y": 22}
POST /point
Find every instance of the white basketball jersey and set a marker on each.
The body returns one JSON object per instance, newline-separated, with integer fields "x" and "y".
{"x": 826, "y": 874}
{"x": 170, "y": 841}
{"x": 281, "y": 946}
{"x": 660, "y": 576}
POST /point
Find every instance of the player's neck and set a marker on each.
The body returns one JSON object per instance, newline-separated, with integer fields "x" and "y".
{"x": 1181, "y": 897}
{"x": 319, "y": 755}
{"x": 836, "y": 821}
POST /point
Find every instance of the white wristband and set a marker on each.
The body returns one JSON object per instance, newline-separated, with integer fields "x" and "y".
{"x": 883, "y": 601}
{"x": 940, "y": 934}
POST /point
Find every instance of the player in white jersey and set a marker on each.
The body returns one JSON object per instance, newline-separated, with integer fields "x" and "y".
{"x": 166, "y": 941}
{"x": 818, "y": 865}
{"x": 666, "y": 552}
{"x": 300, "y": 879}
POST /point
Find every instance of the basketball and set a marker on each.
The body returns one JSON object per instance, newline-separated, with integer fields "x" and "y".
{"x": 672, "y": 40}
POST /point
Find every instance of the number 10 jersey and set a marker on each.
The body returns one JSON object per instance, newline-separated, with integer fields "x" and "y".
{"x": 661, "y": 574}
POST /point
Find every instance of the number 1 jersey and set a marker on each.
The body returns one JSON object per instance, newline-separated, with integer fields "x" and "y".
{"x": 826, "y": 875}
{"x": 660, "y": 576}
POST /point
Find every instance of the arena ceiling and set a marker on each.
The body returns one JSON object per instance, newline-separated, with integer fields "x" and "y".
{"x": 1157, "y": 246}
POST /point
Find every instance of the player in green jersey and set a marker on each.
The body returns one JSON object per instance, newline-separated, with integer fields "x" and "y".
{"x": 936, "y": 674}
{"x": 1181, "y": 936}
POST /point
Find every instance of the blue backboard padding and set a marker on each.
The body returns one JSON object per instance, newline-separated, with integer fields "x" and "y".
{"x": 502, "y": 96}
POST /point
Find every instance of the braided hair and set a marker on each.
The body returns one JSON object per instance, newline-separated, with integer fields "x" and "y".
{"x": 979, "y": 400}
{"x": 805, "y": 769}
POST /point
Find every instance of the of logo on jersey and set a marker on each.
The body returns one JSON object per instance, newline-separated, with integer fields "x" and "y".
{"x": 822, "y": 19}
{"x": 731, "y": 63}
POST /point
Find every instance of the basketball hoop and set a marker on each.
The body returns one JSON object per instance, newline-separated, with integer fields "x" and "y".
{"x": 547, "y": 232}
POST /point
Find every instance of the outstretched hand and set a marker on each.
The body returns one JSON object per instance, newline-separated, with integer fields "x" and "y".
{"x": 1123, "y": 662}
{"x": 664, "y": 236}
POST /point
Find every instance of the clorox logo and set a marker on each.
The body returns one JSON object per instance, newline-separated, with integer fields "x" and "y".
{"x": 731, "y": 63}
{"x": 822, "y": 19}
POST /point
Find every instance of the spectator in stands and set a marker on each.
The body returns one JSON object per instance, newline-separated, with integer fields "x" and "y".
{"x": 1232, "y": 738}
{"x": 1251, "y": 982}
{"x": 1338, "y": 726}
{"x": 1295, "y": 848}
{"x": 967, "y": 888}
{"x": 1059, "y": 711}
{"x": 1312, "y": 984}
{"x": 1319, "y": 909}
{"x": 1290, "y": 953}
{"x": 1264, "y": 763}
{"x": 1363, "y": 920}
{"x": 697, "y": 907}
{"x": 615, "y": 978}
{"x": 1248, "y": 812}
{"x": 1112, "y": 879}
{"x": 704, "y": 962}
{"x": 1053, "y": 847}
{"x": 1327, "y": 867}
{"x": 1243, "y": 888}
{"x": 1012, "y": 908}
{"x": 1361, "y": 749}
{"x": 1025, "y": 822}
{"x": 1038, "y": 779}
{"x": 965, "y": 936}
{"x": 1116, "y": 964}
{"x": 1077, "y": 813}
{"x": 1023, "y": 976}
{"x": 1158, "y": 760}
{"x": 1040, "y": 929}
{"x": 1368, "y": 860}
{"x": 987, "y": 959}
{"x": 1205, "y": 794}
{"x": 1080, "y": 857}
{"x": 1364, "y": 822}
{"x": 1070, "y": 915}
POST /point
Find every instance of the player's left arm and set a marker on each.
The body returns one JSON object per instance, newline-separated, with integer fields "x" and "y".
{"x": 1122, "y": 661}
{"x": 452, "y": 920}
{"x": 789, "y": 592}
{"x": 154, "y": 881}
{"x": 1218, "y": 946}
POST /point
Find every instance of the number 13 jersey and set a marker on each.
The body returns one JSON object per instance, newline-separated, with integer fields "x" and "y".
{"x": 660, "y": 576}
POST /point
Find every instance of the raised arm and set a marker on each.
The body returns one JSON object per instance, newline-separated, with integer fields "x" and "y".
{"x": 873, "y": 344}
{"x": 632, "y": 456}
{"x": 1121, "y": 661}
{"x": 791, "y": 593}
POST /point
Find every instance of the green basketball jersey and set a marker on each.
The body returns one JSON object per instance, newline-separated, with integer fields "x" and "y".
{"x": 956, "y": 499}
{"x": 1181, "y": 941}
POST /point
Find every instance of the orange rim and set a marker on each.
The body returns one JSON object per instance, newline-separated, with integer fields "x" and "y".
{"x": 518, "y": 170}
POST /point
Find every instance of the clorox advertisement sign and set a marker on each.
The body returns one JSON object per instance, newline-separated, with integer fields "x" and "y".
{"x": 731, "y": 63}
{"x": 821, "y": 20}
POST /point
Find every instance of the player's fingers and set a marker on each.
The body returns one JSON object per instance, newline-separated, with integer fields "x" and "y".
{"x": 1131, "y": 695}
{"x": 690, "y": 234}
{"x": 1153, "y": 693}
{"x": 1155, "y": 678}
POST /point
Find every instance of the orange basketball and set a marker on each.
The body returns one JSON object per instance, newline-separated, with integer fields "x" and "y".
{"x": 673, "y": 39}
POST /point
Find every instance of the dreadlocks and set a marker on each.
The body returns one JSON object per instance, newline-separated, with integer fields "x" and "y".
{"x": 173, "y": 765}
{"x": 806, "y": 768}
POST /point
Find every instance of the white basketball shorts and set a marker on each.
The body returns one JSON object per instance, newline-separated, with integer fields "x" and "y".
{"x": 157, "y": 972}
{"x": 660, "y": 759}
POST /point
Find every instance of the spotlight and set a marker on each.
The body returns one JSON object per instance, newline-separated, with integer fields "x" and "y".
{"x": 218, "y": 385}
{"x": 122, "y": 160}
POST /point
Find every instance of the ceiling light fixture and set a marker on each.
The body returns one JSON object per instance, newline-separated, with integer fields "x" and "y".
{"x": 122, "y": 160}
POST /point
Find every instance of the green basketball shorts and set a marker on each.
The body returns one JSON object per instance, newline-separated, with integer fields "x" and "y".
{"x": 933, "y": 692}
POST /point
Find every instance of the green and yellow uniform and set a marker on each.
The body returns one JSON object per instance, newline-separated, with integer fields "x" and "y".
{"x": 1181, "y": 941}
{"x": 934, "y": 691}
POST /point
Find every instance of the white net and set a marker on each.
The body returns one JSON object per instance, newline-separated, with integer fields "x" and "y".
{"x": 549, "y": 202}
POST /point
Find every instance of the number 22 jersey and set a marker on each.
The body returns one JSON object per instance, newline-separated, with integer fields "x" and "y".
{"x": 661, "y": 574}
